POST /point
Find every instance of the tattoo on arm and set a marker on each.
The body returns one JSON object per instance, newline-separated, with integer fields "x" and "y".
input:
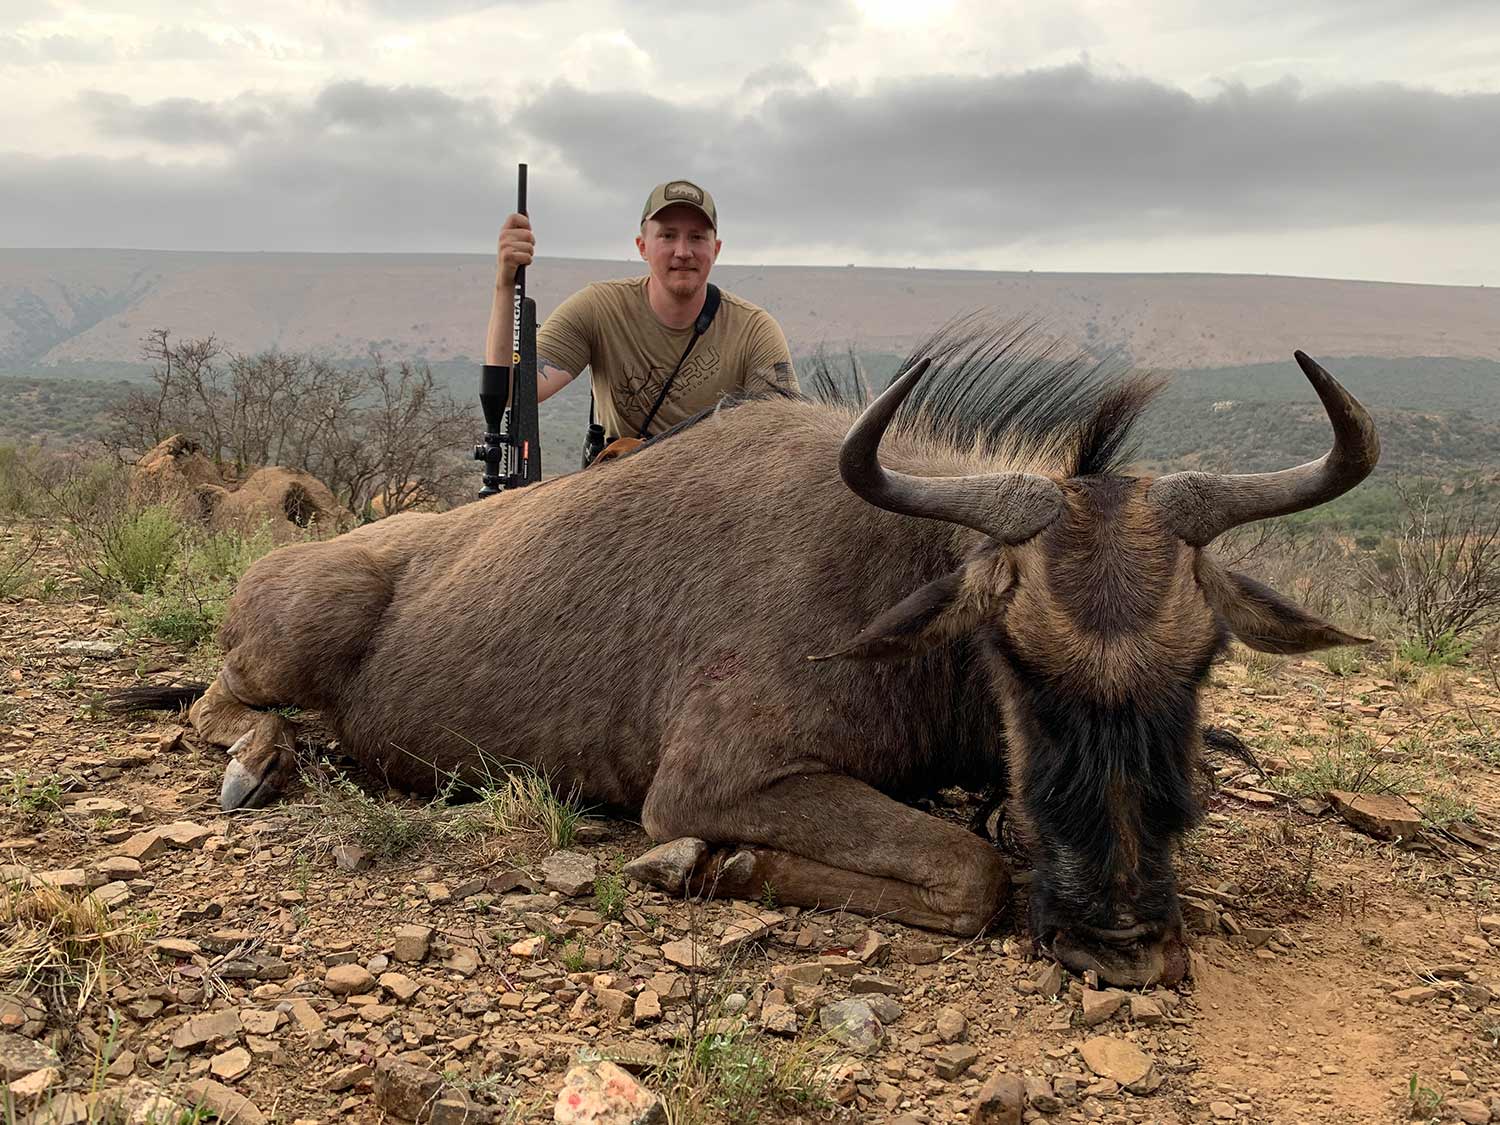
{"x": 552, "y": 371}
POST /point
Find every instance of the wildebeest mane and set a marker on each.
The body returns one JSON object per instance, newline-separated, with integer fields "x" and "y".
{"x": 1009, "y": 390}
{"x": 1016, "y": 393}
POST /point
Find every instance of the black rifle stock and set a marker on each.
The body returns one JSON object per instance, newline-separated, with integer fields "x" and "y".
{"x": 512, "y": 446}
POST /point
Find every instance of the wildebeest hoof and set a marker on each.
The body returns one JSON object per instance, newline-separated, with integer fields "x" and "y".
{"x": 242, "y": 789}
{"x": 667, "y": 867}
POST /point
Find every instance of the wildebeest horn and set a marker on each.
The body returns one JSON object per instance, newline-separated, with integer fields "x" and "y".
{"x": 1199, "y": 507}
{"x": 1009, "y": 507}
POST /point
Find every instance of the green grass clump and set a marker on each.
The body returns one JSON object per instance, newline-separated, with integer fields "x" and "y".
{"x": 1348, "y": 760}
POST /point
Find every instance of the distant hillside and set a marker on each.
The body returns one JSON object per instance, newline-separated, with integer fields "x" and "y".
{"x": 1437, "y": 417}
{"x": 83, "y": 312}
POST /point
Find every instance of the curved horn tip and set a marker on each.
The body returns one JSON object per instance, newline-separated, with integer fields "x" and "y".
{"x": 1310, "y": 367}
{"x": 909, "y": 377}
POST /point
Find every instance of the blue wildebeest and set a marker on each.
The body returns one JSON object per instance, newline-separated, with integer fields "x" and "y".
{"x": 987, "y": 595}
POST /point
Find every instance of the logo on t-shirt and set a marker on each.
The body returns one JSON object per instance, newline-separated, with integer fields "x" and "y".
{"x": 636, "y": 394}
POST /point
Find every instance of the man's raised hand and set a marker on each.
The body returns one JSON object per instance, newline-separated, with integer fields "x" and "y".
{"x": 516, "y": 247}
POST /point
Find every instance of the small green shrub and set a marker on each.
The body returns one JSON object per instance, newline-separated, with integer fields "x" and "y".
{"x": 1343, "y": 662}
{"x": 140, "y": 550}
{"x": 1445, "y": 651}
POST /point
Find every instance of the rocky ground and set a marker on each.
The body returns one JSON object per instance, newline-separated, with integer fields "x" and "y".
{"x": 284, "y": 965}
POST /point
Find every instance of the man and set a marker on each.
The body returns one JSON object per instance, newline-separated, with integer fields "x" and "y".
{"x": 632, "y": 333}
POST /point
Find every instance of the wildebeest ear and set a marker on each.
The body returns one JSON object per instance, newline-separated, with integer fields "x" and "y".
{"x": 945, "y": 608}
{"x": 1264, "y": 619}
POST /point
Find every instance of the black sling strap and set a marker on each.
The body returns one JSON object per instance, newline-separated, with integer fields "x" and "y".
{"x": 700, "y": 326}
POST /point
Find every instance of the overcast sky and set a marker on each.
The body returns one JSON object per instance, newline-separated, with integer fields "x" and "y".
{"x": 1340, "y": 138}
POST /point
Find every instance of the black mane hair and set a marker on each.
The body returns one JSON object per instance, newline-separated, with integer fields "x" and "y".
{"x": 1003, "y": 388}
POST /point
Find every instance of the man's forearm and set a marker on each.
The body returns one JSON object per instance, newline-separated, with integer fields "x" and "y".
{"x": 498, "y": 341}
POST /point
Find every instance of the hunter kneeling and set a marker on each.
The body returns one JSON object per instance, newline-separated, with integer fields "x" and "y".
{"x": 661, "y": 347}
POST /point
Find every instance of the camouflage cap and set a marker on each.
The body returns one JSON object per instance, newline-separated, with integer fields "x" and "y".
{"x": 680, "y": 191}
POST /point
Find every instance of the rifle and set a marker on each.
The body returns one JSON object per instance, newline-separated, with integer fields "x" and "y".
{"x": 512, "y": 446}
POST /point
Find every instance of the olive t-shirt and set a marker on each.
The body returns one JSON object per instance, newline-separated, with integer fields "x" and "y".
{"x": 610, "y": 328}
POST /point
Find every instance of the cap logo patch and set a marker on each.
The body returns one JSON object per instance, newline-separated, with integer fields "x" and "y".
{"x": 681, "y": 189}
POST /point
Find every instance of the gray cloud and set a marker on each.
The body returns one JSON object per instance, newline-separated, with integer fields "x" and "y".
{"x": 434, "y": 9}
{"x": 949, "y": 165}
{"x": 1051, "y": 153}
{"x": 75, "y": 49}
{"x": 177, "y": 121}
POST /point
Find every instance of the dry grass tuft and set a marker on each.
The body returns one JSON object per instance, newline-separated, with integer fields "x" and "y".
{"x": 60, "y": 946}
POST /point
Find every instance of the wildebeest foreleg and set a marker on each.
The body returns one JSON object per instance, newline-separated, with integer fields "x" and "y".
{"x": 827, "y": 840}
{"x": 262, "y": 745}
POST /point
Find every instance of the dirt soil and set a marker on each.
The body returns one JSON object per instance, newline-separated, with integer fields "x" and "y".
{"x": 1337, "y": 978}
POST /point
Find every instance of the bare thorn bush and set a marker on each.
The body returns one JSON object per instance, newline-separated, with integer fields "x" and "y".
{"x": 380, "y": 437}
{"x": 1440, "y": 574}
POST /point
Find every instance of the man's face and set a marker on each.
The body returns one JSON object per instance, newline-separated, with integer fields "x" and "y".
{"x": 680, "y": 247}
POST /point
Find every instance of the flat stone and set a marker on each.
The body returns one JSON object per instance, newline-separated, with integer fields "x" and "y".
{"x": 667, "y": 866}
{"x": 1048, "y": 979}
{"x": 872, "y": 949}
{"x": 119, "y": 867}
{"x": 411, "y": 943}
{"x": 457, "y": 1111}
{"x": 953, "y": 1061}
{"x": 144, "y": 845}
{"x": 1471, "y": 1111}
{"x": 404, "y": 1090}
{"x": 99, "y": 806}
{"x": 177, "y": 947}
{"x": 1121, "y": 1062}
{"x": 1418, "y": 995}
{"x": 183, "y": 834}
{"x": 346, "y": 1077}
{"x": 224, "y": 1102}
{"x": 20, "y": 1056}
{"x": 112, "y": 895}
{"x": 33, "y": 1085}
{"x": 64, "y": 879}
{"x": 647, "y": 1007}
{"x": 742, "y": 931}
{"x": 687, "y": 954}
{"x": 952, "y": 1025}
{"x": 920, "y": 953}
{"x": 1146, "y": 1010}
{"x": 613, "y": 1001}
{"x": 1041, "y": 1096}
{"x": 342, "y": 980}
{"x": 258, "y": 1022}
{"x": 1100, "y": 1006}
{"x": 865, "y": 985}
{"x": 1381, "y": 815}
{"x": 205, "y": 1028}
{"x": 1001, "y": 1101}
{"x": 399, "y": 985}
{"x": 853, "y": 1024}
{"x": 887, "y": 1010}
{"x": 232, "y": 1064}
{"x": 602, "y": 1093}
{"x": 1223, "y": 1111}
{"x": 778, "y": 1019}
{"x": 572, "y": 873}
